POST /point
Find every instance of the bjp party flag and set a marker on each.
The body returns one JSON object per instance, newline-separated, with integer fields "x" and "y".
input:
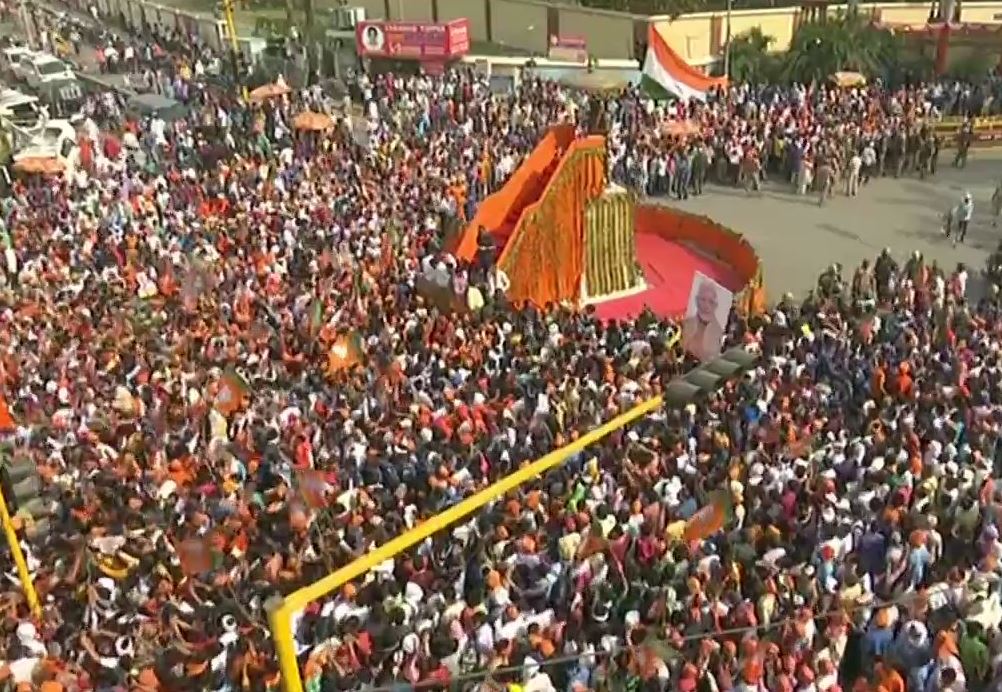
{"x": 316, "y": 316}
{"x": 313, "y": 487}
{"x": 7, "y": 423}
{"x": 710, "y": 519}
{"x": 232, "y": 390}
{"x": 345, "y": 352}
{"x": 195, "y": 555}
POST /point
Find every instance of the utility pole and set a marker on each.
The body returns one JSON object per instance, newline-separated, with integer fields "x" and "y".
{"x": 311, "y": 41}
{"x": 727, "y": 45}
{"x": 231, "y": 29}
{"x": 26, "y": 21}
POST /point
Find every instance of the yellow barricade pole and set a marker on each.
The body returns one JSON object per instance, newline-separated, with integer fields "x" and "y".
{"x": 27, "y": 584}
{"x": 280, "y": 610}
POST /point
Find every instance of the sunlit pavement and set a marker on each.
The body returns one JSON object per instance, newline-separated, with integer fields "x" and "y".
{"x": 797, "y": 239}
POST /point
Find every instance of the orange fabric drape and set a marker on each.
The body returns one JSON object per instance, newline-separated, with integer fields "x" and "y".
{"x": 544, "y": 258}
{"x": 514, "y": 194}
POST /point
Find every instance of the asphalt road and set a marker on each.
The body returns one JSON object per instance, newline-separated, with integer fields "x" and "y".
{"x": 85, "y": 62}
{"x": 797, "y": 239}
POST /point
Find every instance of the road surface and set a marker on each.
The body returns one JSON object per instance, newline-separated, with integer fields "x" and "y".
{"x": 85, "y": 62}
{"x": 796, "y": 239}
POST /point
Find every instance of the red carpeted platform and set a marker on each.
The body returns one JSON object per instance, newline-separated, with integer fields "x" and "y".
{"x": 669, "y": 268}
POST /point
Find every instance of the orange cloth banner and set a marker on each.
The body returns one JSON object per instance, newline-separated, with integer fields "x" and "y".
{"x": 544, "y": 258}
{"x": 522, "y": 188}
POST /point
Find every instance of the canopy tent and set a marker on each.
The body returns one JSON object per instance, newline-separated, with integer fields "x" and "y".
{"x": 268, "y": 91}
{"x": 848, "y": 80}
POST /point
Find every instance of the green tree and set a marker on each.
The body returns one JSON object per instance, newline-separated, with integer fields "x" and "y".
{"x": 843, "y": 43}
{"x": 973, "y": 67}
{"x": 749, "y": 56}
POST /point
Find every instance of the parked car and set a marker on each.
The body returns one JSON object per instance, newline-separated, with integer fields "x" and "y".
{"x": 20, "y": 109}
{"x": 40, "y": 68}
{"x": 10, "y": 59}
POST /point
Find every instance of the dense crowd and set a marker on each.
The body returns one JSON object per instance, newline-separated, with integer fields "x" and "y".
{"x": 820, "y": 139}
{"x": 176, "y": 325}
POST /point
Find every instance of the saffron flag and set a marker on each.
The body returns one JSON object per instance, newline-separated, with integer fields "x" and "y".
{"x": 710, "y": 519}
{"x": 312, "y": 485}
{"x": 7, "y": 423}
{"x": 195, "y": 555}
{"x": 232, "y": 390}
{"x": 345, "y": 352}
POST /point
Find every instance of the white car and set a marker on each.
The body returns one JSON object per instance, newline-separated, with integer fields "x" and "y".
{"x": 55, "y": 139}
{"x": 10, "y": 59}
{"x": 20, "y": 109}
{"x": 40, "y": 68}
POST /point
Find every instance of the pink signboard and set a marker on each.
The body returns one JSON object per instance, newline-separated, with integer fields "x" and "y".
{"x": 568, "y": 48}
{"x": 413, "y": 40}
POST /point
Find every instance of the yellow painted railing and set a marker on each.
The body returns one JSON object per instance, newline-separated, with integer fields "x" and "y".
{"x": 14, "y": 545}
{"x": 281, "y": 610}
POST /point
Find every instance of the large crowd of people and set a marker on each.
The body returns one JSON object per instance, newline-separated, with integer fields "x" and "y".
{"x": 214, "y": 349}
{"x": 823, "y": 140}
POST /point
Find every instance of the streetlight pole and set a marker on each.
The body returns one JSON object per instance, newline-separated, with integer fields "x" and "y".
{"x": 29, "y": 25}
{"x": 727, "y": 45}
{"x": 231, "y": 29}
{"x": 310, "y": 40}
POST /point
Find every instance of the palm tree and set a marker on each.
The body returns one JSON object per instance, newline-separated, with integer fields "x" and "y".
{"x": 843, "y": 43}
{"x": 749, "y": 56}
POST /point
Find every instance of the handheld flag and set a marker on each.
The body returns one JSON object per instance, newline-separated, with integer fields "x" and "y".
{"x": 312, "y": 486}
{"x": 232, "y": 390}
{"x": 7, "y": 423}
{"x": 345, "y": 352}
{"x": 316, "y": 316}
{"x": 710, "y": 519}
{"x": 195, "y": 555}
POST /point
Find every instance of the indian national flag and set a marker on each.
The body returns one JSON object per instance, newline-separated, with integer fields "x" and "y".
{"x": 666, "y": 68}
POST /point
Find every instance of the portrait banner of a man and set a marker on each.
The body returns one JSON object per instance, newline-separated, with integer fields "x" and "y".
{"x": 706, "y": 317}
